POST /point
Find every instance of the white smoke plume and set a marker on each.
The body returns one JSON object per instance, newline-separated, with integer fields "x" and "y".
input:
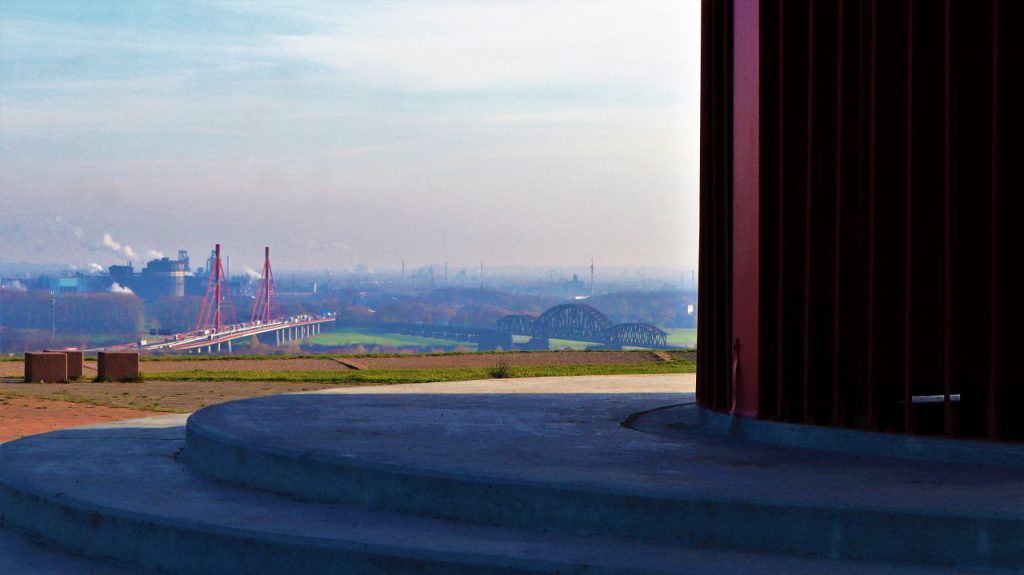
{"x": 95, "y": 267}
{"x": 154, "y": 254}
{"x": 15, "y": 285}
{"x": 118, "y": 288}
{"x": 251, "y": 272}
{"x": 125, "y": 249}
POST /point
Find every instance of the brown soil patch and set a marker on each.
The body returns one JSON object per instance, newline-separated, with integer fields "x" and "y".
{"x": 23, "y": 416}
{"x": 285, "y": 364}
{"x": 13, "y": 369}
{"x": 153, "y": 396}
{"x": 16, "y": 369}
{"x": 522, "y": 358}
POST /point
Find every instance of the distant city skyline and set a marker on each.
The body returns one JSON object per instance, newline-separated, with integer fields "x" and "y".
{"x": 535, "y": 134}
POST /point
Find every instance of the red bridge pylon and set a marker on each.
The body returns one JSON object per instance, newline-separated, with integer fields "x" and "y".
{"x": 266, "y": 307}
{"x": 210, "y": 315}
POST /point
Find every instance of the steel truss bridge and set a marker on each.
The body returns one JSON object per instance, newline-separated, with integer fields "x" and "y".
{"x": 217, "y": 327}
{"x": 582, "y": 322}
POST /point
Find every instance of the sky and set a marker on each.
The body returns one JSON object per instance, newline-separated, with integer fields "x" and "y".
{"x": 517, "y": 133}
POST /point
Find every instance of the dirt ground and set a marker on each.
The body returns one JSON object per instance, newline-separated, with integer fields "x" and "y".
{"x": 23, "y": 416}
{"x": 174, "y": 396}
{"x": 14, "y": 369}
{"x": 29, "y": 408}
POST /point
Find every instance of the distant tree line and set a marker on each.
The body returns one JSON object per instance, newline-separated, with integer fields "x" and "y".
{"x": 88, "y": 313}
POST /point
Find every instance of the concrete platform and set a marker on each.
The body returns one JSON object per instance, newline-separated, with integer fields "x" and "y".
{"x": 493, "y": 483}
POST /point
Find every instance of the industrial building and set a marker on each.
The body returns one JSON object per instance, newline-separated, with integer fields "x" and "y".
{"x": 161, "y": 277}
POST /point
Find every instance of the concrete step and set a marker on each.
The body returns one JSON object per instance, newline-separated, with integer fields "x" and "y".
{"x": 566, "y": 464}
{"x": 124, "y": 495}
{"x": 22, "y": 552}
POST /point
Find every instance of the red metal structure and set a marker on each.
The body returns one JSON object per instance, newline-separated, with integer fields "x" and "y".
{"x": 211, "y": 313}
{"x": 857, "y": 216}
{"x": 265, "y": 307}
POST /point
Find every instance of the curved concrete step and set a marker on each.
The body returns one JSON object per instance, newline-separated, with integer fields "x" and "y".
{"x": 565, "y": 463}
{"x": 123, "y": 494}
{"x": 24, "y": 552}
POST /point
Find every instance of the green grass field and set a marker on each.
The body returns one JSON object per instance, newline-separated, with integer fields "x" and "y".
{"x": 558, "y": 344}
{"x": 682, "y": 336}
{"x": 370, "y": 337}
{"x": 385, "y": 376}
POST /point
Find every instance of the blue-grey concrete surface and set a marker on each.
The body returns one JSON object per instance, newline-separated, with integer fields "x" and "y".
{"x": 895, "y": 445}
{"x": 494, "y": 484}
{"x": 22, "y": 553}
{"x": 565, "y": 463}
{"x": 124, "y": 494}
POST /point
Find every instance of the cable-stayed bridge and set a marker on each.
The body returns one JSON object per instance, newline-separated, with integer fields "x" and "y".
{"x": 217, "y": 326}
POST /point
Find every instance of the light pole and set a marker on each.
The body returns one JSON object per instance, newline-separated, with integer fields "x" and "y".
{"x": 53, "y": 320}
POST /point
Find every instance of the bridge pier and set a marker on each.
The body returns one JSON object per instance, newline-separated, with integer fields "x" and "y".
{"x": 229, "y": 346}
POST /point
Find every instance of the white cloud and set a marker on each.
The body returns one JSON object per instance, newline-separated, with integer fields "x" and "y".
{"x": 487, "y": 45}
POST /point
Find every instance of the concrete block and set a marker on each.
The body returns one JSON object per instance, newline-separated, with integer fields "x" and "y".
{"x": 75, "y": 359}
{"x": 117, "y": 366}
{"x": 50, "y": 367}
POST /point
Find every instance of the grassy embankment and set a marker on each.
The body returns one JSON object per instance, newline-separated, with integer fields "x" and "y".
{"x": 682, "y": 336}
{"x": 677, "y": 337}
{"x": 388, "y": 376}
{"x": 186, "y": 391}
{"x": 373, "y": 337}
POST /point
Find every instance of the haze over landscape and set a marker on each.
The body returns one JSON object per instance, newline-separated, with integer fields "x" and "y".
{"x": 519, "y": 133}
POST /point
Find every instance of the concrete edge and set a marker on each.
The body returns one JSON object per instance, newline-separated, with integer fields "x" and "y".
{"x": 848, "y": 532}
{"x": 177, "y": 545}
{"x": 857, "y": 442}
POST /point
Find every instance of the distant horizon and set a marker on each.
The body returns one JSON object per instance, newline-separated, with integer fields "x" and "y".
{"x": 517, "y": 133}
{"x": 385, "y": 269}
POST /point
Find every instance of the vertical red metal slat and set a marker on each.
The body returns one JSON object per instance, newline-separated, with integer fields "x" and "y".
{"x": 719, "y": 189}
{"x": 712, "y": 351}
{"x": 702, "y": 242}
{"x": 837, "y": 417}
{"x": 873, "y": 412}
{"x": 746, "y": 205}
{"x": 726, "y": 343}
{"x": 908, "y": 411}
{"x": 992, "y": 415}
{"x": 808, "y": 217}
{"x": 858, "y": 381}
{"x": 948, "y": 240}
{"x": 780, "y": 402}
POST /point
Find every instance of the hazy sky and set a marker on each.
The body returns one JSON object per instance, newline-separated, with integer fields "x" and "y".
{"x": 518, "y": 133}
